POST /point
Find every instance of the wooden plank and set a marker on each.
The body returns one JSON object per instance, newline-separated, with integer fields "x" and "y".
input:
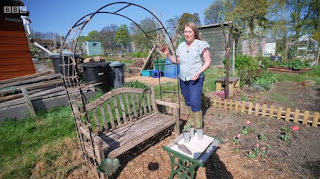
{"x": 14, "y": 61}
{"x": 124, "y": 115}
{"x": 148, "y": 60}
{"x": 250, "y": 108}
{"x": 143, "y": 96}
{"x": 6, "y": 75}
{"x": 116, "y": 109}
{"x": 134, "y": 105}
{"x": 131, "y": 128}
{"x": 257, "y": 109}
{"x": 50, "y": 83}
{"x": 103, "y": 114}
{"x": 24, "y": 77}
{"x": 149, "y": 102}
{"x": 214, "y": 102}
{"x": 128, "y": 106}
{"x": 96, "y": 119}
{"x": 288, "y": 112}
{"x": 225, "y": 104}
{"x": 243, "y": 106}
{"x": 13, "y": 40}
{"x": 279, "y": 114}
{"x": 16, "y": 98}
{"x": 15, "y": 55}
{"x": 230, "y": 104}
{"x": 18, "y": 67}
{"x": 114, "y": 92}
{"x": 236, "y": 105}
{"x": 264, "y": 110}
{"x": 110, "y": 114}
{"x": 305, "y": 117}
{"x": 28, "y": 101}
{"x": 34, "y": 80}
{"x": 154, "y": 106}
{"x": 139, "y": 105}
{"x": 296, "y": 116}
{"x": 5, "y": 33}
{"x": 315, "y": 119}
{"x": 220, "y": 103}
{"x": 271, "y": 111}
{"x": 13, "y": 47}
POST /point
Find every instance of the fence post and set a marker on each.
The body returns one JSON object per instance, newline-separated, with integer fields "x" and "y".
{"x": 250, "y": 108}
{"x": 315, "y": 119}
{"x": 243, "y": 106}
{"x": 236, "y": 105}
{"x": 305, "y": 117}
{"x": 256, "y": 112}
{"x": 296, "y": 116}
{"x": 288, "y": 112}
{"x": 264, "y": 110}
{"x": 279, "y": 115}
{"x": 271, "y": 111}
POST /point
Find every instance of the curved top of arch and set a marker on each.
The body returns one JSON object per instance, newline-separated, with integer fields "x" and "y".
{"x": 83, "y": 21}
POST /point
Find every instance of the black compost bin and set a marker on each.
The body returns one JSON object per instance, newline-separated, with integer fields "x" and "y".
{"x": 115, "y": 74}
{"x": 95, "y": 72}
{"x": 276, "y": 58}
{"x": 56, "y": 61}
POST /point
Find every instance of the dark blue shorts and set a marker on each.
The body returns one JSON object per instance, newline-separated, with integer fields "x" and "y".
{"x": 191, "y": 91}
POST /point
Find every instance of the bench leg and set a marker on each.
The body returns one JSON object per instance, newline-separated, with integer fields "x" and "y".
{"x": 177, "y": 125}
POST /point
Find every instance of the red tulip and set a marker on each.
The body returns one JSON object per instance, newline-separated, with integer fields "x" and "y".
{"x": 295, "y": 128}
{"x": 238, "y": 136}
{"x": 263, "y": 148}
{"x": 257, "y": 145}
{"x": 248, "y": 122}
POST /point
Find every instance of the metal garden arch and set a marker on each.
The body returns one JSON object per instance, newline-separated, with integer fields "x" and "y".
{"x": 69, "y": 70}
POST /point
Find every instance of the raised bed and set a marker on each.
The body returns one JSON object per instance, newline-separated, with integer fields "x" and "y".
{"x": 287, "y": 70}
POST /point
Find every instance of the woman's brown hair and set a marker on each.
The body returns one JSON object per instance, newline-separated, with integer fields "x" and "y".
{"x": 194, "y": 29}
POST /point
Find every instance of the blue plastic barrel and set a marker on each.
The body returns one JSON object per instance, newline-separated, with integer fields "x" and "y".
{"x": 170, "y": 69}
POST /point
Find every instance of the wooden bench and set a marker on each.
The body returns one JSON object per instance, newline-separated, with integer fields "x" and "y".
{"x": 234, "y": 83}
{"x": 120, "y": 120}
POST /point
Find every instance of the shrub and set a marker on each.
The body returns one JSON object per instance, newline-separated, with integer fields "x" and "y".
{"x": 140, "y": 54}
{"x": 265, "y": 80}
{"x": 248, "y": 68}
{"x": 296, "y": 65}
{"x": 135, "y": 84}
{"x": 316, "y": 70}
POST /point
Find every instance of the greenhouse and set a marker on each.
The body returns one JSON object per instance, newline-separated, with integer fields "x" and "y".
{"x": 304, "y": 48}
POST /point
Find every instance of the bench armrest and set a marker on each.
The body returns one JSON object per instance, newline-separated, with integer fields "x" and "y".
{"x": 169, "y": 104}
{"x": 176, "y": 114}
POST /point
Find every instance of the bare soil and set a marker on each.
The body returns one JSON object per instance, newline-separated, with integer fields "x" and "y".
{"x": 299, "y": 157}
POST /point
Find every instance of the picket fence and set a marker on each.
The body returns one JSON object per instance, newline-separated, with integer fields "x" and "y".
{"x": 305, "y": 118}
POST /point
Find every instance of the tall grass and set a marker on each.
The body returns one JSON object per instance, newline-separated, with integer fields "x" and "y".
{"x": 21, "y": 139}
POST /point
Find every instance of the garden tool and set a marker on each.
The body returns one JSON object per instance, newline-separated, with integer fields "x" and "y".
{"x": 183, "y": 148}
{"x": 197, "y": 117}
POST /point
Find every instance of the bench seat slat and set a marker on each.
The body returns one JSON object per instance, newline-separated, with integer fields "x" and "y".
{"x": 122, "y": 139}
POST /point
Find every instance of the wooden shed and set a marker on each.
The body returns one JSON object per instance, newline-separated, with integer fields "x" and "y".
{"x": 15, "y": 56}
{"x": 213, "y": 34}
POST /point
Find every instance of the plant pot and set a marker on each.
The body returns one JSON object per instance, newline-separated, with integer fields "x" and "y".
{"x": 200, "y": 134}
{"x": 191, "y": 132}
{"x": 186, "y": 137}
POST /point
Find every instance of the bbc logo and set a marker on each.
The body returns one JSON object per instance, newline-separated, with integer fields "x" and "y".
{"x": 14, "y": 9}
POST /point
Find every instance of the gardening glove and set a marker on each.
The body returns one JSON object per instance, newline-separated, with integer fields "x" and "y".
{"x": 197, "y": 117}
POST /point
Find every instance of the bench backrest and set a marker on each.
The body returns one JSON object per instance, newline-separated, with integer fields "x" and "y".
{"x": 119, "y": 107}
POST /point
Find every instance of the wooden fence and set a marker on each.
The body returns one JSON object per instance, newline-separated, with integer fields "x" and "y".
{"x": 306, "y": 118}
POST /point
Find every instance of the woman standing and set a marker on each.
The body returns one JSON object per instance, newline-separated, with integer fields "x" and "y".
{"x": 193, "y": 55}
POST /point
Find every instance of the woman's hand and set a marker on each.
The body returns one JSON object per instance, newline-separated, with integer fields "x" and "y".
{"x": 165, "y": 50}
{"x": 195, "y": 77}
